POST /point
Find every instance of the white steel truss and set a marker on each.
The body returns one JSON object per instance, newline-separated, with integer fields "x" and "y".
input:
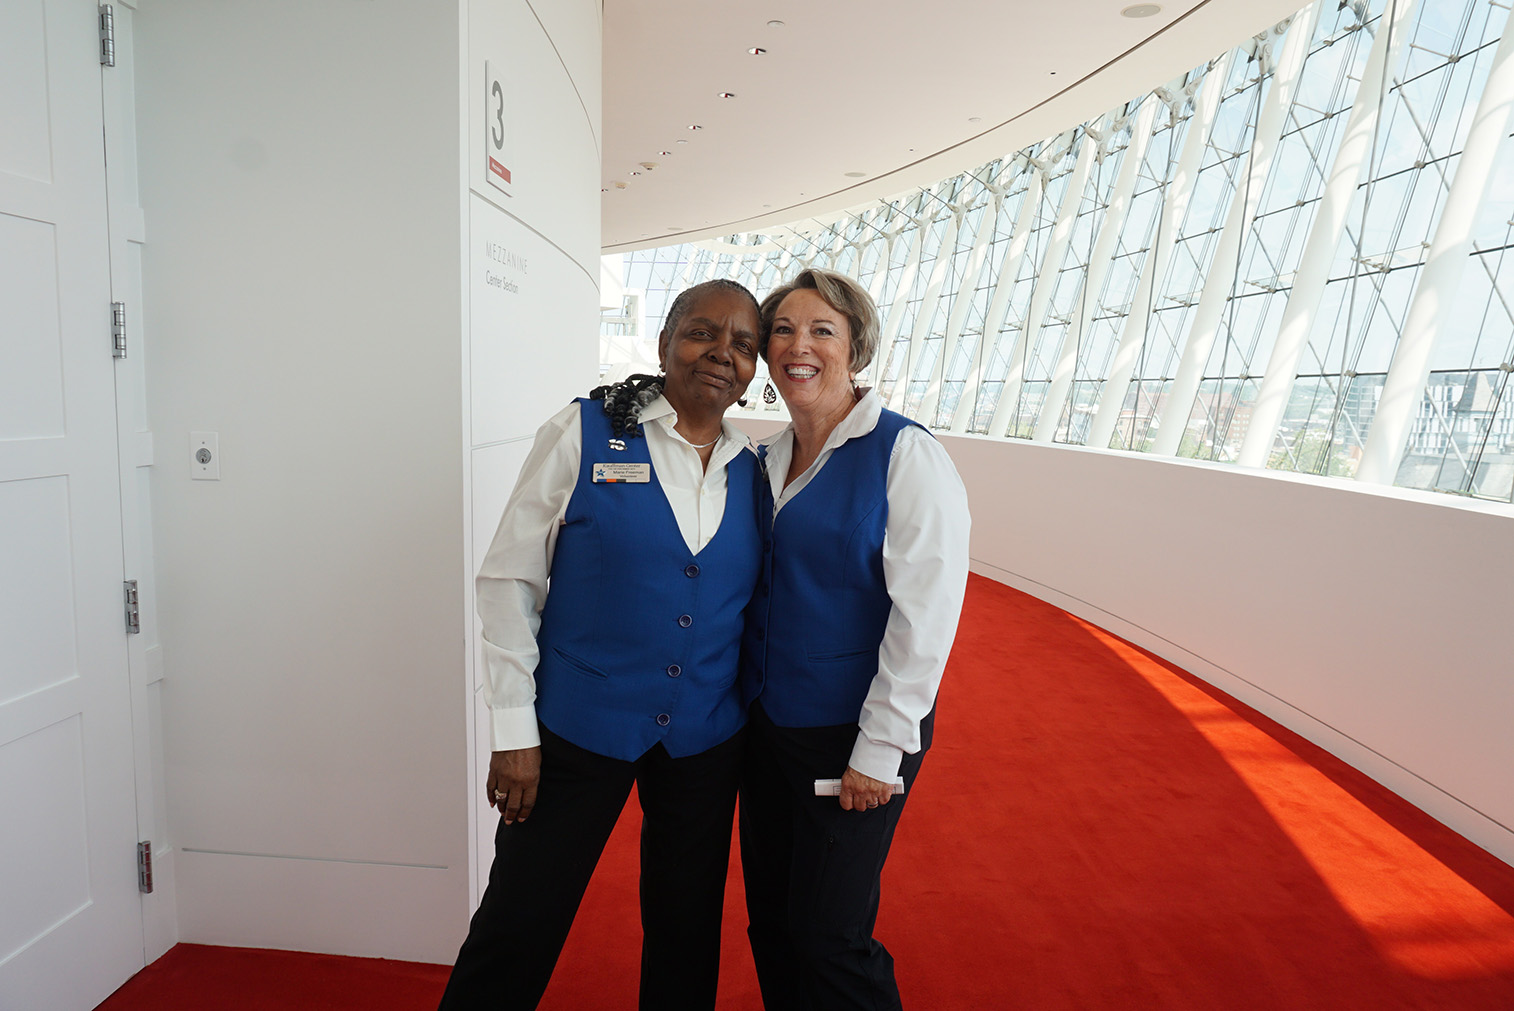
{"x": 1441, "y": 275}
{"x": 1220, "y": 284}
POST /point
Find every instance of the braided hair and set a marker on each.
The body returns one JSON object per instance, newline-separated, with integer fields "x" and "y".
{"x": 624, "y": 401}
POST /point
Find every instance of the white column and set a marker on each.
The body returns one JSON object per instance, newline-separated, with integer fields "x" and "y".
{"x": 1175, "y": 199}
{"x": 998, "y": 305}
{"x": 894, "y": 322}
{"x": 961, "y": 303}
{"x": 875, "y": 288}
{"x": 1441, "y": 275}
{"x": 838, "y": 243}
{"x": 1220, "y": 279}
{"x": 1099, "y": 262}
{"x": 1352, "y": 160}
{"x": 927, "y": 311}
{"x": 1046, "y": 282}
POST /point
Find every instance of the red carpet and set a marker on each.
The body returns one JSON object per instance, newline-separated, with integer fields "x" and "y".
{"x": 1093, "y": 829}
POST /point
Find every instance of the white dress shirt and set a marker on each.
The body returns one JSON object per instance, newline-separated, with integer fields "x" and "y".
{"x": 512, "y": 581}
{"x": 925, "y": 544}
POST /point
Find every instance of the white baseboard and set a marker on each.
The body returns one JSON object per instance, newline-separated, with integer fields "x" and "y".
{"x": 418, "y": 914}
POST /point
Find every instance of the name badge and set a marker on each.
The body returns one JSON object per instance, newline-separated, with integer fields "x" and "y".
{"x": 622, "y": 473}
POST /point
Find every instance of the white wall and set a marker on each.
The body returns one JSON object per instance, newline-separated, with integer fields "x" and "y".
{"x": 1372, "y": 621}
{"x": 534, "y": 340}
{"x": 323, "y": 272}
{"x": 300, "y": 175}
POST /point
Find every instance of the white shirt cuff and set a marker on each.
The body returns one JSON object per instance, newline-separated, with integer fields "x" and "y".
{"x": 880, "y": 761}
{"x": 513, "y": 729}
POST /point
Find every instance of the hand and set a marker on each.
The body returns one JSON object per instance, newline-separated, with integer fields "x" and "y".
{"x": 859, "y": 792}
{"x": 512, "y": 782}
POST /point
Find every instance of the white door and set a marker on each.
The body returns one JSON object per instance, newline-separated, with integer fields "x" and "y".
{"x": 70, "y": 926}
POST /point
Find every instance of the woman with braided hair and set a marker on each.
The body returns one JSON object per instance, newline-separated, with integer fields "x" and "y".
{"x": 641, "y": 507}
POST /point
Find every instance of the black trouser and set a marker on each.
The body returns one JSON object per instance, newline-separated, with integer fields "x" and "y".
{"x": 812, "y": 870}
{"x": 542, "y": 867}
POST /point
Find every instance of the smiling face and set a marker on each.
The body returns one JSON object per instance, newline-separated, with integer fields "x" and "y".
{"x": 710, "y": 353}
{"x": 809, "y": 354}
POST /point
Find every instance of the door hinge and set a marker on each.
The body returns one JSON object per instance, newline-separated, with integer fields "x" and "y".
{"x": 107, "y": 35}
{"x": 144, "y": 866}
{"x": 133, "y": 616}
{"x": 118, "y": 328}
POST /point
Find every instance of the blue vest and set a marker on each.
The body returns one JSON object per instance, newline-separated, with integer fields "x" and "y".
{"x": 817, "y": 620}
{"x": 640, "y": 638}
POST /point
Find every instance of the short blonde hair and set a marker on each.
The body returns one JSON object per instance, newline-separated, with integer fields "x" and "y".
{"x": 839, "y": 292}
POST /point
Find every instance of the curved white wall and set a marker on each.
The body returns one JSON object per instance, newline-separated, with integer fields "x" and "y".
{"x": 532, "y": 283}
{"x": 1374, "y": 622}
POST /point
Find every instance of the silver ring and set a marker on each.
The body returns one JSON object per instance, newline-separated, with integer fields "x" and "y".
{"x": 500, "y": 795}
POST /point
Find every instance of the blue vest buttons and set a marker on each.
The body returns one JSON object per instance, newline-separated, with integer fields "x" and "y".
{"x": 674, "y": 670}
{"x": 691, "y": 571}
{"x": 663, "y": 719}
{"x": 685, "y": 620}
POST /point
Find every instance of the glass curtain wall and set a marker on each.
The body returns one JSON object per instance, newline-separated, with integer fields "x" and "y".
{"x": 1221, "y": 269}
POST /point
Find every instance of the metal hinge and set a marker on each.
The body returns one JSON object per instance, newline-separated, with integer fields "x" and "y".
{"x": 107, "y": 35}
{"x": 144, "y": 867}
{"x": 133, "y": 616}
{"x": 118, "y": 328}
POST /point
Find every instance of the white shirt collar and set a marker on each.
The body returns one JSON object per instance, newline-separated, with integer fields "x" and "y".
{"x": 661, "y": 411}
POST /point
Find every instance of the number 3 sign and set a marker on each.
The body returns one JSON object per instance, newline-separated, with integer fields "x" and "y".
{"x": 499, "y": 149}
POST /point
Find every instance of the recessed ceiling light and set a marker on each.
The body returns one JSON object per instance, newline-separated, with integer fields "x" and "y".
{"x": 767, "y": 205}
{"x": 726, "y": 94}
{"x": 856, "y": 175}
{"x": 675, "y": 228}
{"x": 619, "y": 185}
{"x": 649, "y": 165}
{"x": 756, "y": 50}
{"x": 682, "y": 141}
{"x": 664, "y": 153}
{"x": 1141, "y": 11}
{"x": 696, "y": 126}
{"x": 975, "y": 119}
{"x": 636, "y": 173}
{"x": 775, "y": 24}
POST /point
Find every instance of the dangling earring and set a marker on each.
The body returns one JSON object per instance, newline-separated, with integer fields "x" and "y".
{"x": 769, "y": 395}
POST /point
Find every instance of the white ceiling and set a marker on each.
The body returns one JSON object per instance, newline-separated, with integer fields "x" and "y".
{"x": 904, "y": 92}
